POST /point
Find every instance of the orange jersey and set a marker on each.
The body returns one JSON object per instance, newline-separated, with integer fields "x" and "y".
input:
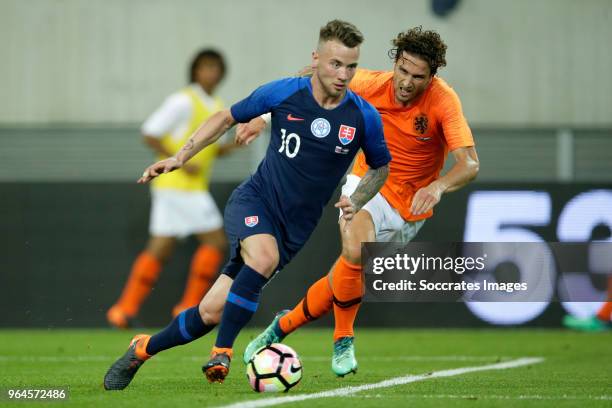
{"x": 418, "y": 136}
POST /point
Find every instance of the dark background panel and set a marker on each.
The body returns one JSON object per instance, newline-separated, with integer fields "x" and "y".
{"x": 66, "y": 250}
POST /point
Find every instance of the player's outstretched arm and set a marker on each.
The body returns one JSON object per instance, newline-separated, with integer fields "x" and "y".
{"x": 208, "y": 133}
{"x": 367, "y": 188}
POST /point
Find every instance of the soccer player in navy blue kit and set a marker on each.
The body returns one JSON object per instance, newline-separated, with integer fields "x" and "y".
{"x": 318, "y": 126}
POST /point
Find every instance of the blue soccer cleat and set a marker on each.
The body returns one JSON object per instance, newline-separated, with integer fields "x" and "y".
{"x": 268, "y": 336}
{"x": 343, "y": 360}
{"x": 588, "y": 324}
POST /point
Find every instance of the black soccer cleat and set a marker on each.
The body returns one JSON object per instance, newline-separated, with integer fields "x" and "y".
{"x": 217, "y": 367}
{"x": 122, "y": 372}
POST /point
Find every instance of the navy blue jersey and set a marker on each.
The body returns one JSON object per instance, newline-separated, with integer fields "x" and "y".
{"x": 310, "y": 150}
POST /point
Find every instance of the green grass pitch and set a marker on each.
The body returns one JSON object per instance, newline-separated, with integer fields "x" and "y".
{"x": 576, "y": 371}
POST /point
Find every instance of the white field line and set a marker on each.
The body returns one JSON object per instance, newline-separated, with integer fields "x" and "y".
{"x": 348, "y": 391}
{"x": 494, "y": 397}
{"x": 386, "y": 359}
{"x": 96, "y": 358}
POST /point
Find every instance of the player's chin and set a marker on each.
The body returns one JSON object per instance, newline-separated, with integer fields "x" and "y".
{"x": 334, "y": 91}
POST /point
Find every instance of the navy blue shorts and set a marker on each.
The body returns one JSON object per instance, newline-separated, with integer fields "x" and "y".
{"x": 247, "y": 214}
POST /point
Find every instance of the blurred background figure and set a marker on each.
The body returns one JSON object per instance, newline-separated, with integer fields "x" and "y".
{"x": 181, "y": 204}
{"x": 600, "y": 321}
{"x": 443, "y": 8}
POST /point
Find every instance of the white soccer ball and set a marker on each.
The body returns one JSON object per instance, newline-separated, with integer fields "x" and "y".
{"x": 274, "y": 368}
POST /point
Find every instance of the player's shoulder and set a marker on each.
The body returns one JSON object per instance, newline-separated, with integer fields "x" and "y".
{"x": 285, "y": 86}
{"x": 361, "y": 103}
{"x": 368, "y": 111}
{"x": 372, "y": 77}
{"x": 371, "y": 83}
{"x": 280, "y": 89}
{"x": 442, "y": 92}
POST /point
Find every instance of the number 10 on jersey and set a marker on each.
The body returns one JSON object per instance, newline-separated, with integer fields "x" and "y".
{"x": 286, "y": 144}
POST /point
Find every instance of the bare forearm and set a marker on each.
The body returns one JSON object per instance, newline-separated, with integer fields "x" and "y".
{"x": 369, "y": 185}
{"x": 458, "y": 176}
{"x": 208, "y": 133}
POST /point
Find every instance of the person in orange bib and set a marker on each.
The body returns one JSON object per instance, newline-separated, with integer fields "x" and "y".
{"x": 423, "y": 121}
{"x": 181, "y": 204}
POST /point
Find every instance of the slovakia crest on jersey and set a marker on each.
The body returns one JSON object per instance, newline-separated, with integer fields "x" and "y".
{"x": 251, "y": 221}
{"x": 346, "y": 134}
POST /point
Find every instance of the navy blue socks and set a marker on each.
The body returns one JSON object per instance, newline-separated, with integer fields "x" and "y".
{"x": 185, "y": 328}
{"x": 242, "y": 302}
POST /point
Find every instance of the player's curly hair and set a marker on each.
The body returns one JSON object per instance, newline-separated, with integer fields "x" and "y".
{"x": 425, "y": 44}
{"x": 343, "y": 31}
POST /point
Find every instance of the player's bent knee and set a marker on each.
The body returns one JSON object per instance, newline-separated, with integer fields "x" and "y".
{"x": 209, "y": 314}
{"x": 264, "y": 260}
{"x": 211, "y": 318}
{"x": 202, "y": 311}
{"x": 264, "y": 263}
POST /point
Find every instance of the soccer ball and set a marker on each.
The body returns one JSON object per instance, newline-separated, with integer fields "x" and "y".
{"x": 274, "y": 368}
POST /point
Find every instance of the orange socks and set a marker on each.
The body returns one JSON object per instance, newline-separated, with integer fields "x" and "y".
{"x": 145, "y": 271}
{"x": 204, "y": 266}
{"x": 348, "y": 288}
{"x": 220, "y": 350}
{"x": 316, "y": 303}
{"x": 345, "y": 298}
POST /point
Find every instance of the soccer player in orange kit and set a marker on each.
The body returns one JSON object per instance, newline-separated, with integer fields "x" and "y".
{"x": 423, "y": 121}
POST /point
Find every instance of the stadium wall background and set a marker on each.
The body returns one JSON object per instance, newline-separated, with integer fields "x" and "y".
{"x": 67, "y": 248}
{"x": 514, "y": 63}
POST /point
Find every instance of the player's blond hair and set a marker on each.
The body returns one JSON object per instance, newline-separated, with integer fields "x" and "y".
{"x": 343, "y": 31}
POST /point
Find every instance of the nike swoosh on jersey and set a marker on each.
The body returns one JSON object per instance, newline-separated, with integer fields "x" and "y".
{"x": 293, "y": 118}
